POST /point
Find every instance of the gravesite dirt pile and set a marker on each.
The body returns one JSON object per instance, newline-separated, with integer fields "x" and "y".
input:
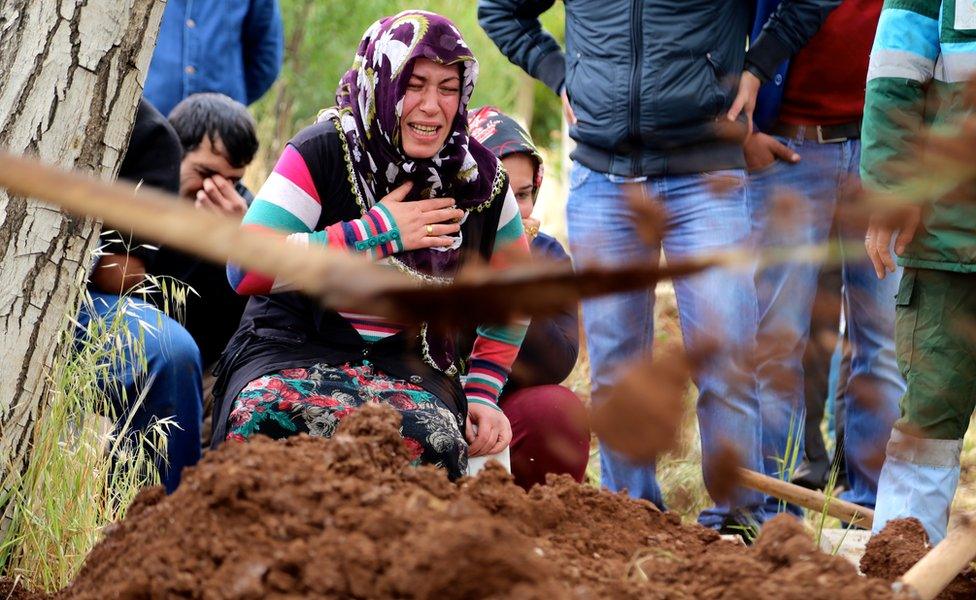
{"x": 13, "y": 589}
{"x": 902, "y": 543}
{"x": 349, "y": 518}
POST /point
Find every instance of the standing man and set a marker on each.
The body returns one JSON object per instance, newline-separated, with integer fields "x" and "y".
{"x": 234, "y": 48}
{"x": 924, "y": 53}
{"x": 645, "y": 84}
{"x": 809, "y": 150}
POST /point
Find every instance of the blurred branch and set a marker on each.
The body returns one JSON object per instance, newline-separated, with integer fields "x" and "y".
{"x": 337, "y": 279}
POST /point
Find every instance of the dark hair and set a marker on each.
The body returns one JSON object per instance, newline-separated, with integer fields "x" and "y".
{"x": 217, "y": 117}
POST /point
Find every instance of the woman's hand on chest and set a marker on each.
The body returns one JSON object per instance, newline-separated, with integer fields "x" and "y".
{"x": 423, "y": 223}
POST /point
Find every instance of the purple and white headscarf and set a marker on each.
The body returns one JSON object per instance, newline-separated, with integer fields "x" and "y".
{"x": 368, "y": 112}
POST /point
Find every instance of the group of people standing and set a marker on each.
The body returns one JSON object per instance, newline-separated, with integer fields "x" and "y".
{"x": 659, "y": 96}
{"x": 828, "y": 92}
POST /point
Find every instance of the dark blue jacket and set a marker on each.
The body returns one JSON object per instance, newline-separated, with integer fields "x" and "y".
{"x": 648, "y": 79}
{"x": 551, "y": 345}
{"x": 234, "y": 48}
{"x": 771, "y": 92}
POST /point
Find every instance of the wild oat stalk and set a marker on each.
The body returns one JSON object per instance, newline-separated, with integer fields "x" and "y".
{"x": 786, "y": 464}
{"x": 748, "y": 530}
{"x": 823, "y": 515}
{"x": 82, "y": 475}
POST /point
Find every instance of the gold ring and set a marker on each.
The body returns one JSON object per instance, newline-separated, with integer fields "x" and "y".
{"x": 430, "y": 230}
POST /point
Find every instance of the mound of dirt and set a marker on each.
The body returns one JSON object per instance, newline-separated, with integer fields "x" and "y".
{"x": 13, "y": 589}
{"x": 783, "y": 564}
{"x": 348, "y": 518}
{"x": 641, "y": 418}
{"x": 901, "y": 544}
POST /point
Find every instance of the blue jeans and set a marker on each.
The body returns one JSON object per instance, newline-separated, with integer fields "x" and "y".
{"x": 706, "y": 212}
{"x": 786, "y": 293}
{"x": 170, "y": 384}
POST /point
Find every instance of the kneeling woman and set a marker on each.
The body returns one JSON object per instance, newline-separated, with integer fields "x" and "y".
{"x": 391, "y": 172}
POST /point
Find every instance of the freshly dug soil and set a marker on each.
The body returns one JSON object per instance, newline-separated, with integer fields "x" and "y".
{"x": 642, "y": 416}
{"x": 898, "y": 547}
{"x": 348, "y": 518}
{"x": 13, "y": 589}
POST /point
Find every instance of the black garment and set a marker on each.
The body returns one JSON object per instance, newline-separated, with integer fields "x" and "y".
{"x": 213, "y": 310}
{"x": 648, "y": 79}
{"x": 289, "y": 330}
{"x": 551, "y": 345}
{"x": 152, "y": 159}
{"x": 815, "y": 467}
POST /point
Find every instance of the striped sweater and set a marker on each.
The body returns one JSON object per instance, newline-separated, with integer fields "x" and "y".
{"x": 923, "y": 54}
{"x": 290, "y": 202}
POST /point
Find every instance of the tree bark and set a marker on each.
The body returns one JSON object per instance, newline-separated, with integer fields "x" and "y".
{"x": 71, "y": 74}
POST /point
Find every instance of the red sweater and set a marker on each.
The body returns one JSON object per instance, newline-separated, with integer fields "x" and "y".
{"x": 826, "y": 80}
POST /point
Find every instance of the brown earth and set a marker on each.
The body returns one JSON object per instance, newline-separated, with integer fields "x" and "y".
{"x": 13, "y": 589}
{"x": 348, "y": 518}
{"x": 641, "y": 417}
{"x": 721, "y": 469}
{"x": 899, "y": 546}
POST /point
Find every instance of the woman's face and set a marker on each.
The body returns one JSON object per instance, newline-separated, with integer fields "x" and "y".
{"x": 429, "y": 107}
{"x": 521, "y": 176}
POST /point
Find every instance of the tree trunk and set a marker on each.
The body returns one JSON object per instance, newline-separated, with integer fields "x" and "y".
{"x": 71, "y": 73}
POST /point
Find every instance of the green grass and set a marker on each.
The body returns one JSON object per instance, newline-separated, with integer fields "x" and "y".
{"x": 81, "y": 475}
{"x": 821, "y": 519}
{"x": 786, "y": 464}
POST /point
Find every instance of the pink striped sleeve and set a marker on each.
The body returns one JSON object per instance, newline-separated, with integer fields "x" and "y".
{"x": 292, "y": 167}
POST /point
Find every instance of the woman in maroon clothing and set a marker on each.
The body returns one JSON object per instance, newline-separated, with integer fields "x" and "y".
{"x": 550, "y": 429}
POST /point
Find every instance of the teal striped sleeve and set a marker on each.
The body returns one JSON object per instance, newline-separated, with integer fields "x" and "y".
{"x": 906, "y": 48}
{"x": 266, "y": 214}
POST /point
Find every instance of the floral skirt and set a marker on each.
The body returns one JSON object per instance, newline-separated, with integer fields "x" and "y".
{"x": 315, "y": 399}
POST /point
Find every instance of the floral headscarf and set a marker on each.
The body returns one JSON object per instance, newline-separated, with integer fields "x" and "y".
{"x": 370, "y": 105}
{"x": 503, "y": 135}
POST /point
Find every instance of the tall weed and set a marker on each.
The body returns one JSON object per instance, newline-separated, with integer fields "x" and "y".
{"x": 83, "y": 471}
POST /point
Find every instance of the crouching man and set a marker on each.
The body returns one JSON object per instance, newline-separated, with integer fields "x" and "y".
{"x": 219, "y": 141}
{"x": 158, "y": 374}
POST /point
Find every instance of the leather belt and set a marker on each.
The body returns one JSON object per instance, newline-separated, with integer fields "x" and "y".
{"x": 823, "y": 134}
